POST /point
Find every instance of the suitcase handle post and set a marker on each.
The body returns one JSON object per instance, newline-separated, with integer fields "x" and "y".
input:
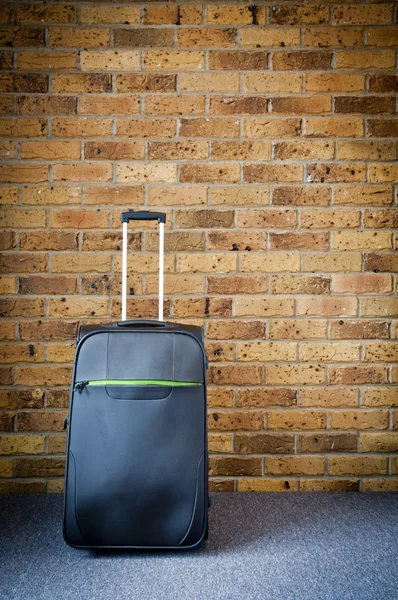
{"x": 143, "y": 215}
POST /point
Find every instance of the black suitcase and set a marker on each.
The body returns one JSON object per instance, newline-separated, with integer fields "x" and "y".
{"x": 136, "y": 474}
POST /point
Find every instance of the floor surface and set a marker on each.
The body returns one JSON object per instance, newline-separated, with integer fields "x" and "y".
{"x": 261, "y": 547}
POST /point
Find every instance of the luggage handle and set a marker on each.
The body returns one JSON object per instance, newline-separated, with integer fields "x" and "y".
{"x": 143, "y": 215}
{"x": 141, "y": 324}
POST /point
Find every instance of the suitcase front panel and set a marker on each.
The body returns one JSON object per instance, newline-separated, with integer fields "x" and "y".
{"x": 140, "y": 355}
{"x": 136, "y": 466}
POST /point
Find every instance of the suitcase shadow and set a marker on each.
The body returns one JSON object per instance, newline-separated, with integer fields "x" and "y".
{"x": 237, "y": 520}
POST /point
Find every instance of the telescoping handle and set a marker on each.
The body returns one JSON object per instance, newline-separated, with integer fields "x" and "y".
{"x": 143, "y": 215}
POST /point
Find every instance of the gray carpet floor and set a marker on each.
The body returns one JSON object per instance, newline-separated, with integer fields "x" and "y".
{"x": 261, "y": 546}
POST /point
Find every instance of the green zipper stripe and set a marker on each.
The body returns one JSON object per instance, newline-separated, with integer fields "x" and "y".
{"x": 142, "y": 382}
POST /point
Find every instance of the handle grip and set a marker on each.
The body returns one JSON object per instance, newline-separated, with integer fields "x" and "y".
{"x": 143, "y": 215}
{"x": 141, "y": 324}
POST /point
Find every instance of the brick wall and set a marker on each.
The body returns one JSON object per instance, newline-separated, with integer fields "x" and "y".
{"x": 268, "y": 134}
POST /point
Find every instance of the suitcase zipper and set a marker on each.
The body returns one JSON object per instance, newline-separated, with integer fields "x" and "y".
{"x": 133, "y": 382}
{"x": 79, "y": 387}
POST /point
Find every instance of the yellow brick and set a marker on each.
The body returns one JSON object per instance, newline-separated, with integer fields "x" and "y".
{"x": 220, "y": 397}
{"x": 297, "y": 329}
{"x": 253, "y": 150}
{"x": 321, "y": 307}
{"x": 361, "y": 240}
{"x": 81, "y": 83}
{"x": 218, "y": 442}
{"x": 380, "y": 484}
{"x": 78, "y": 307}
{"x": 144, "y": 128}
{"x": 209, "y": 82}
{"x": 136, "y": 172}
{"x": 82, "y": 127}
{"x": 274, "y": 173}
{"x": 174, "y": 60}
{"x": 381, "y": 351}
{"x": 263, "y": 307}
{"x": 330, "y": 352}
{"x": 9, "y": 195}
{"x": 176, "y": 195}
{"x": 270, "y": 262}
{"x": 272, "y": 82}
{"x": 8, "y": 150}
{"x": 5, "y": 468}
{"x": 60, "y": 353}
{"x": 210, "y": 173}
{"x": 334, "y": 127}
{"x": 22, "y": 173}
{"x": 366, "y": 59}
{"x": 381, "y": 396}
{"x": 379, "y": 442}
{"x": 56, "y": 443}
{"x": 295, "y": 465}
{"x": 266, "y": 485}
{"x": 161, "y": 15}
{"x": 295, "y": 374}
{"x": 235, "y": 420}
{"x": 177, "y": 284}
{"x": 234, "y": 15}
{"x": 61, "y": 13}
{"x": 363, "y": 15}
{"x": 175, "y": 105}
{"x": 17, "y": 353}
{"x": 269, "y": 37}
{"x": 22, "y": 444}
{"x": 357, "y": 465}
{"x": 266, "y": 351}
{"x": 45, "y": 60}
{"x": 55, "y": 486}
{"x": 379, "y": 307}
{"x": 359, "y": 419}
{"x": 383, "y": 173}
{"x": 239, "y": 195}
{"x": 51, "y": 195}
{"x": 334, "y": 82}
{"x": 79, "y": 219}
{"x": 331, "y": 263}
{"x": 375, "y": 195}
{"x": 264, "y": 127}
{"x": 102, "y": 14}
{"x": 16, "y": 218}
{"x": 51, "y": 150}
{"x": 206, "y": 37}
{"x": 381, "y": 37}
{"x": 145, "y": 263}
{"x": 334, "y": 37}
{"x": 8, "y": 284}
{"x": 78, "y": 37}
{"x": 84, "y": 171}
{"x": 81, "y": 262}
{"x": 303, "y": 150}
{"x": 329, "y": 485}
{"x": 296, "y": 419}
{"x": 109, "y": 105}
{"x": 374, "y": 150}
{"x": 7, "y": 329}
{"x": 207, "y": 263}
{"x": 329, "y": 398}
{"x": 110, "y": 60}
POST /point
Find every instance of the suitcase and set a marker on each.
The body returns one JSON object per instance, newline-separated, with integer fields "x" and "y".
{"x": 136, "y": 473}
